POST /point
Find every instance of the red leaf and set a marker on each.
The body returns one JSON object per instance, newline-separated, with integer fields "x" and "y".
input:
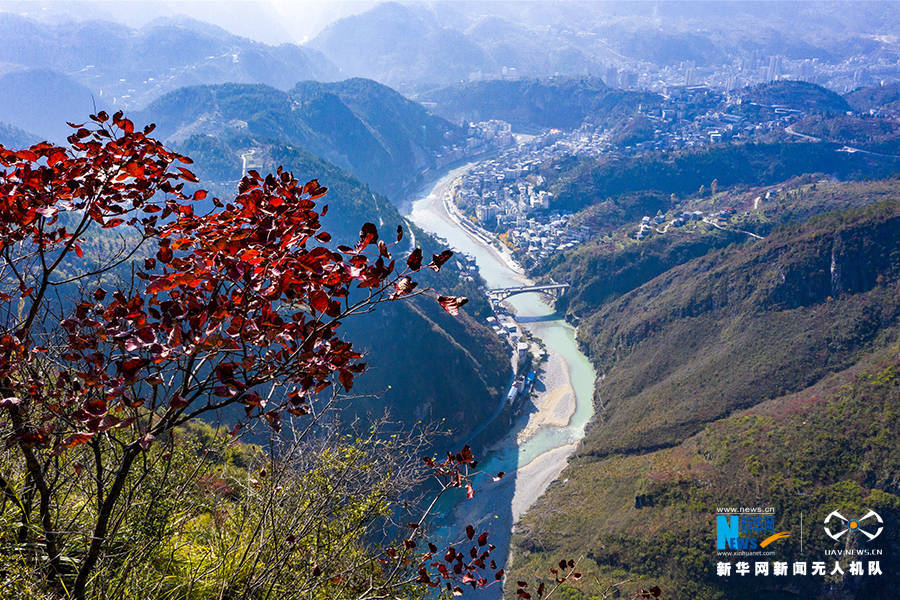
{"x": 368, "y": 235}
{"x": 438, "y": 260}
{"x": 346, "y": 378}
{"x": 274, "y": 420}
{"x": 318, "y": 300}
{"x": 470, "y": 532}
{"x": 76, "y": 439}
{"x": 414, "y": 261}
{"x": 452, "y": 303}
{"x": 134, "y": 169}
{"x": 187, "y": 175}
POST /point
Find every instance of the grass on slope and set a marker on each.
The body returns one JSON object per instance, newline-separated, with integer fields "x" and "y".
{"x": 730, "y": 329}
{"x": 829, "y": 446}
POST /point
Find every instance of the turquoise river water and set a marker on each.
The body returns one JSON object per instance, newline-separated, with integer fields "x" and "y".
{"x": 428, "y": 212}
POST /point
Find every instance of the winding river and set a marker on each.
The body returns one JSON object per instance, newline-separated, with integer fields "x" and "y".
{"x": 531, "y": 456}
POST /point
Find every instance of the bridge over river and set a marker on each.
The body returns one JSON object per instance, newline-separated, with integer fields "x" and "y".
{"x": 554, "y": 290}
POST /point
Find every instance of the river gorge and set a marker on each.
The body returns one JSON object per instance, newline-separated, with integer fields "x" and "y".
{"x": 535, "y": 451}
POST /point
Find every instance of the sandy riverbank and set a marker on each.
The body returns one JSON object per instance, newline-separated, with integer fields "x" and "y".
{"x": 556, "y": 404}
{"x": 532, "y": 479}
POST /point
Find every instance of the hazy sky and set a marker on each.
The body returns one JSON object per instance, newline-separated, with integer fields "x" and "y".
{"x": 271, "y": 21}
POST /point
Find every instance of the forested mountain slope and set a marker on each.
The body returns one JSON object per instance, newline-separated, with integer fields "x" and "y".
{"x": 762, "y": 372}
{"x": 359, "y": 125}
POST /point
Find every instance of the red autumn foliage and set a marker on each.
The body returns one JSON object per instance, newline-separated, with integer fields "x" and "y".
{"x": 194, "y": 313}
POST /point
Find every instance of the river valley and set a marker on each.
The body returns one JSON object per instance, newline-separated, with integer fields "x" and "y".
{"x": 535, "y": 451}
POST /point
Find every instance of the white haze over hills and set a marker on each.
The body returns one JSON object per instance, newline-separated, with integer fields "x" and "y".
{"x": 63, "y": 57}
{"x": 415, "y": 46}
{"x": 267, "y": 21}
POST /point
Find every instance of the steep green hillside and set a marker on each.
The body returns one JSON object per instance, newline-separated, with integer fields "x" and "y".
{"x": 599, "y": 273}
{"x": 789, "y": 309}
{"x": 649, "y": 519}
{"x": 609, "y": 266}
{"x": 756, "y": 374}
{"x": 359, "y": 125}
{"x": 530, "y": 104}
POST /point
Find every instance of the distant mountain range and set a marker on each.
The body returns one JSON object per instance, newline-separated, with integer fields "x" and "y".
{"x": 412, "y": 47}
{"x": 42, "y": 101}
{"x": 416, "y": 47}
{"x": 13, "y": 137}
{"x": 126, "y": 68}
{"x": 360, "y": 125}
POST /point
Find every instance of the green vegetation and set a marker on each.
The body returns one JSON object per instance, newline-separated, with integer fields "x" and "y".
{"x": 790, "y": 309}
{"x": 210, "y": 517}
{"x": 362, "y": 126}
{"x": 883, "y": 97}
{"x": 868, "y": 133}
{"x": 603, "y": 272}
{"x": 827, "y": 446}
{"x": 530, "y": 104}
{"x": 621, "y": 189}
{"x": 798, "y": 95}
{"x": 611, "y": 265}
{"x": 762, "y": 372}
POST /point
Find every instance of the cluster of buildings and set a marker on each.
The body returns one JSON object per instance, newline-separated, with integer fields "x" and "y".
{"x": 527, "y": 354}
{"x": 480, "y": 138}
{"x": 497, "y": 192}
{"x": 505, "y": 196}
{"x": 856, "y": 71}
{"x": 661, "y": 224}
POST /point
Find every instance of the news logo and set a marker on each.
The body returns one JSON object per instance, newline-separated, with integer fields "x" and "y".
{"x": 746, "y": 529}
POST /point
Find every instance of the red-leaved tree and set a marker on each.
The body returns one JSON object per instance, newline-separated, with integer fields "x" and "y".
{"x": 125, "y": 313}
